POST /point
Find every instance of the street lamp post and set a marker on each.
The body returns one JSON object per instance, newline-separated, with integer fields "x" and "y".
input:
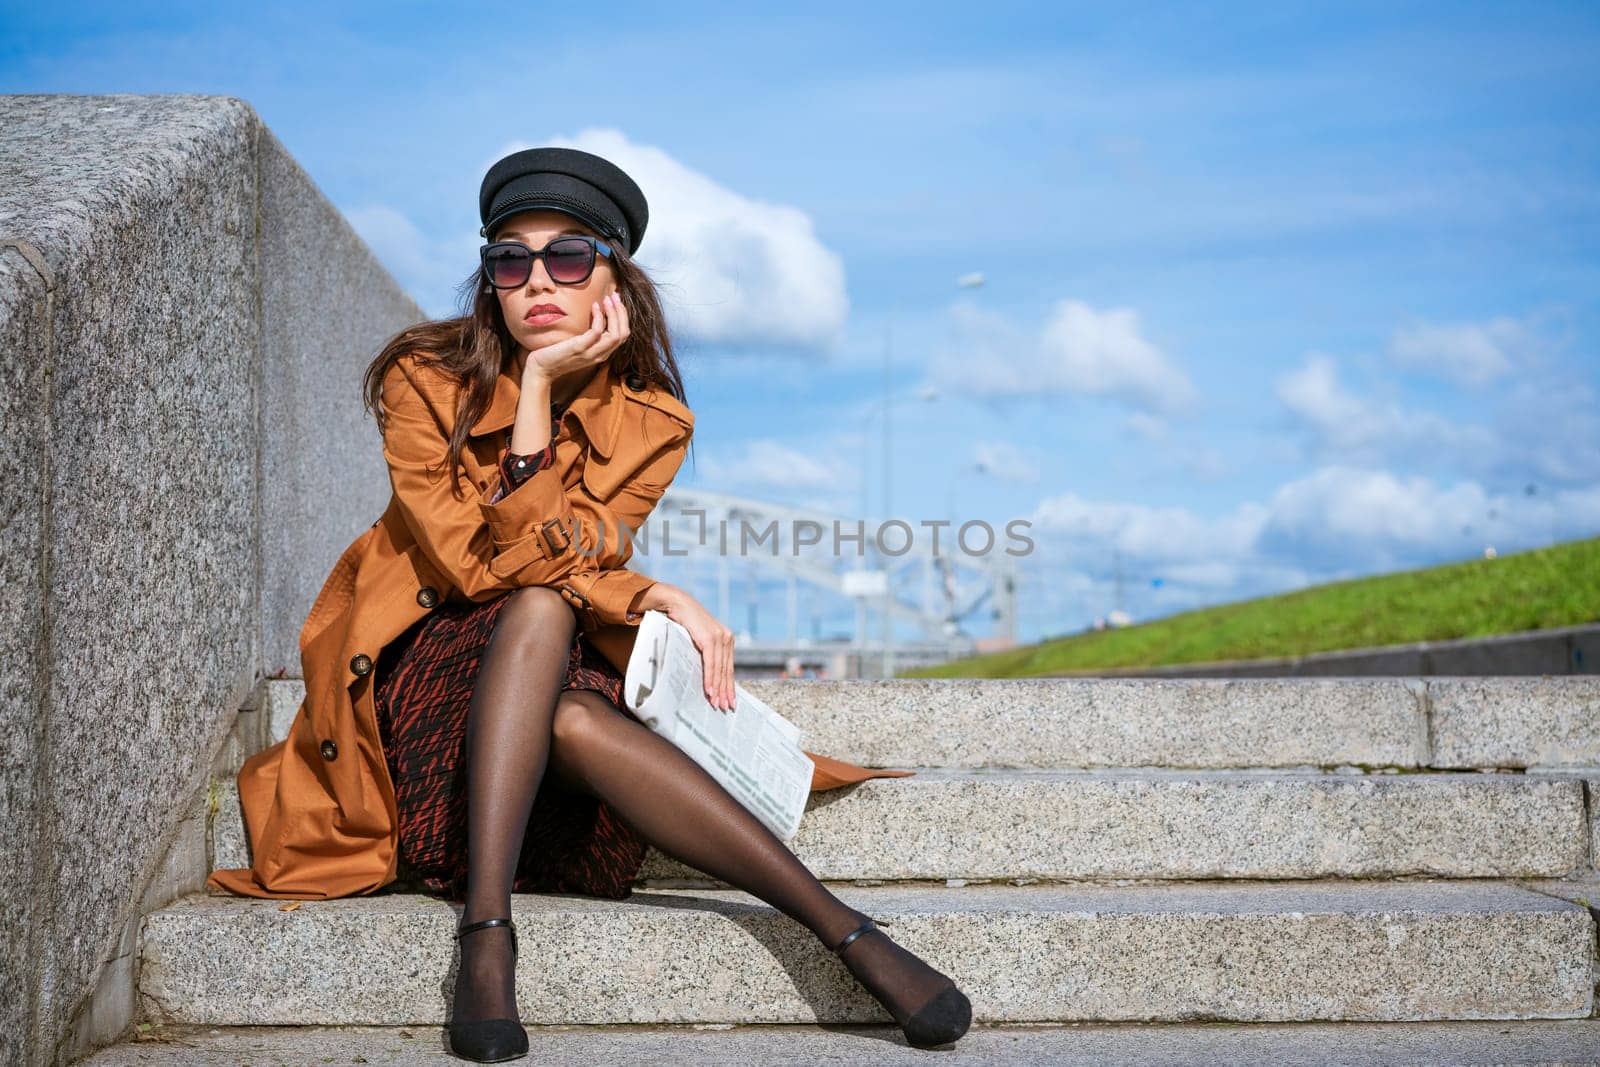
{"x": 967, "y": 281}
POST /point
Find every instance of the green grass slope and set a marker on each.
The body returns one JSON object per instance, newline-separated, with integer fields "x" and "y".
{"x": 1538, "y": 589}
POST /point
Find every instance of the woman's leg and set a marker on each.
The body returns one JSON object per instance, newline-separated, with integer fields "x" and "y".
{"x": 507, "y": 749}
{"x": 673, "y": 804}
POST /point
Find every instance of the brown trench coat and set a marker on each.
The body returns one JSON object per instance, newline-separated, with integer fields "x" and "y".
{"x": 319, "y": 805}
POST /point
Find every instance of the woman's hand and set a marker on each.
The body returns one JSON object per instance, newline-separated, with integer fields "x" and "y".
{"x": 608, "y": 328}
{"x": 714, "y": 640}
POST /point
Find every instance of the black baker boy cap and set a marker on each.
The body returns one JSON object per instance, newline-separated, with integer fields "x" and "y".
{"x": 593, "y": 190}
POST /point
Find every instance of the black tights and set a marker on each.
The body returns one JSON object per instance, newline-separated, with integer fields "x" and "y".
{"x": 521, "y": 723}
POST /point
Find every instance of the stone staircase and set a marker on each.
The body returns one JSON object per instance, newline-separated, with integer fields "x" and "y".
{"x": 1418, "y": 853}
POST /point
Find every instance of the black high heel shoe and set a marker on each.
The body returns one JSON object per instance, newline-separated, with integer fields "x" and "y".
{"x": 943, "y": 1019}
{"x": 489, "y": 1040}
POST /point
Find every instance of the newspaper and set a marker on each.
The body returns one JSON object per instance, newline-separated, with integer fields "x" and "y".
{"x": 752, "y": 751}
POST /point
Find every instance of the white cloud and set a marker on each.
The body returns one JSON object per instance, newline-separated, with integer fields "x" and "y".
{"x": 1335, "y": 521}
{"x": 1551, "y": 430}
{"x": 430, "y": 270}
{"x": 1148, "y": 426}
{"x": 1197, "y": 459}
{"x": 1313, "y": 392}
{"x": 733, "y": 269}
{"x": 770, "y": 465}
{"x": 1217, "y": 577}
{"x": 1103, "y": 352}
{"x": 1007, "y": 462}
{"x": 1202, "y": 462}
{"x": 1361, "y": 429}
{"x": 393, "y": 237}
{"x": 1150, "y": 532}
{"x": 1350, "y": 511}
{"x": 1471, "y": 354}
{"x": 1367, "y": 520}
{"x": 1077, "y": 350}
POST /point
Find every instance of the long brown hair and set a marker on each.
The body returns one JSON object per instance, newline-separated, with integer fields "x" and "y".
{"x": 473, "y": 347}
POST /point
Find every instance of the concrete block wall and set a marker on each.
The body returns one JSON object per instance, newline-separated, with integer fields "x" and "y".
{"x": 185, "y": 319}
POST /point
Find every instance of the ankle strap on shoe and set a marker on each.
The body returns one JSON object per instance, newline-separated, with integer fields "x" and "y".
{"x": 865, "y": 927}
{"x": 467, "y": 929}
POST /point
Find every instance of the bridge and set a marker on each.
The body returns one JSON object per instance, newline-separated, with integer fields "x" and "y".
{"x": 894, "y": 580}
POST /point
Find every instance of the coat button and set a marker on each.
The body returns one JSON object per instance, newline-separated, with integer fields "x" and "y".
{"x": 427, "y": 596}
{"x": 329, "y": 749}
{"x": 635, "y": 382}
{"x": 361, "y": 663}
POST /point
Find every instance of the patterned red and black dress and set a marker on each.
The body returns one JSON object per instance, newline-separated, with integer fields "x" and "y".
{"x": 423, "y": 687}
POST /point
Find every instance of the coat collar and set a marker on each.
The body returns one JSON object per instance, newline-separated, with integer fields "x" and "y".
{"x": 598, "y": 406}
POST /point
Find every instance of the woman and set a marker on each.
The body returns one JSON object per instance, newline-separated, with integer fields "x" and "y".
{"x": 514, "y": 762}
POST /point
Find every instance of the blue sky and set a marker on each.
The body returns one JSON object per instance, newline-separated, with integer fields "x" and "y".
{"x": 1270, "y": 298}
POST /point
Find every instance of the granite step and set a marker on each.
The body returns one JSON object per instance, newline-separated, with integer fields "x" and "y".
{"x": 1063, "y": 825}
{"x": 1546, "y": 1043}
{"x": 1262, "y": 952}
{"x": 1446, "y": 723}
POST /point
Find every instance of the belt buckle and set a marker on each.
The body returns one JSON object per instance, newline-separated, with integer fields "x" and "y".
{"x": 556, "y": 547}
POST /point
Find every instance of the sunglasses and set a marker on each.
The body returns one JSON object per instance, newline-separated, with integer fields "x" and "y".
{"x": 569, "y": 260}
